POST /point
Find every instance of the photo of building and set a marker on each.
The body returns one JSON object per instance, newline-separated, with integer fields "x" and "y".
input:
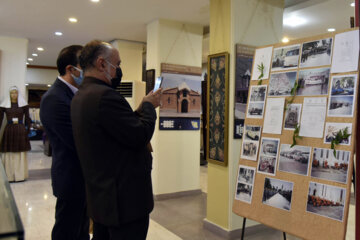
{"x": 277, "y": 193}
{"x": 295, "y": 159}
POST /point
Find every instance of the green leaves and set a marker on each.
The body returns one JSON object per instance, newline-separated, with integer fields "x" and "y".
{"x": 293, "y": 94}
{"x": 296, "y": 135}
{"x": 261, "y": 68}
{"x": 340, "y": 136}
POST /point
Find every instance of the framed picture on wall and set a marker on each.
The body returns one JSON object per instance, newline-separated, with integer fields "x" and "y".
{"x": 218, "y": 108}
{"x": 150, "y": 80}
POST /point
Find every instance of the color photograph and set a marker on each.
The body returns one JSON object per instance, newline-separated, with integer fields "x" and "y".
{"x": 343, "y": 85}
{"x": 329, "y": 167}
{"x": 292, "y": 116}
{"x": 285, "y": 58}
{"x": 294, "y": 160}
{"x": 267, "y": 165}
{"x": 327, "y": 201}
{"x": 332, "y": 129}
{"x": 278, "y": 193}
{"x": 316, "y": 53}
{"x": 313, "y": 82}
{"x": 281, "y": 83}
{"x": 268, "y": 155}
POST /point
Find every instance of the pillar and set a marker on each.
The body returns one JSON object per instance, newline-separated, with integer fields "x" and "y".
{"x": 176, "y": 156}
{"x": 248, "y": 22}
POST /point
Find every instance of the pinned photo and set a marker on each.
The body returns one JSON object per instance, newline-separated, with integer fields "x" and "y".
{"x": 292, "y": 116}
{"x": 329, "y": 167}
{"x": 332, "y": 129}
{"x": 285, "y": 58}
{"x": 294, "y": 160}
{"x": 268, "y": 155}
{"x": 258, "y": 93}
{"x": 278, "y": 193}
{"x": 252, "y": 133}
{"x": 255, "y": 110}
{"x": 249, "y": 150}
{"x": 316, "y": 53}
{"x": 313, "y": 82}
{"x": 326, "y": 200}
{"x": 281, "y": 83}
{"x": 245, "y": 183}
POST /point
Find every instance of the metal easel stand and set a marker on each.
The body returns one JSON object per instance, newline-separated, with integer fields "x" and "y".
{"x": 243, "y": 230}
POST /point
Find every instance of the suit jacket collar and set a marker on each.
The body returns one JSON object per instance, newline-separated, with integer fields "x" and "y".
{"x": 59, "y": 84}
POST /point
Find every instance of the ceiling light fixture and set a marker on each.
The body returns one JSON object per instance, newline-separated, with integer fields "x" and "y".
{"x": 294, "y": 21}
{"x": 58, "y": 33}
{"x": 285, "y": 40}
{"x": 27, "y": 63}
{"x": 30, "y": 59}
{"x": 35, "y": 54}
{"x": 40, "y": 49}
{"x": 73, "y": 20}
{"x": 331, "y": 29}
{"x": 26, "y": 84}
{"x": 95, "y": 1}
{"x": 49, "y": 85}
{"x": 352, "y": 4}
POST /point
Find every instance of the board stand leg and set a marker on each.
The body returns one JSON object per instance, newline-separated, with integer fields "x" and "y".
{"x": 284, "y": 234}
{"x": 243, "y": 229}
{"x": 353, "y": 175}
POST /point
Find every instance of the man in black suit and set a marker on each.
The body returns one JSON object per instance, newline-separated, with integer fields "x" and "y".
{"x": 71, "y": 221}
{"x": 111, "y": 140}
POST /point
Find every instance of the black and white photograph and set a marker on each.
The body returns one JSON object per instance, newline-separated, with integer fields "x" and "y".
{"x": 269, "y": 146}
{"x": 313, "y": 82}
{"x": 329, "y": 167}
{"x": 326, "y": 200}
{"x": 268, "y": 155}
{"x": 332, "y": 129}
{"x": 278, "y": 193}
{"x": 292, "y": 116}
{"x": 281, "y": 83}
{"x": 342, "y": 106}
{"x": 249, "y": 150}
{"x": 316, "y": 53}
{"x": 285, "y": 58}
{"x": 258, "y": 93}
{"x": 252, "y": 133}
{"x": 244, "y": 192}
{"x": 246, "y": 174}
{"x": 255, "y": 110}
{"x": 294, "y": 159}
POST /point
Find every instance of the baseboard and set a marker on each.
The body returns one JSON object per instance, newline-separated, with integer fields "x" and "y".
{"x": 233, "y": 234}
{"x": 165, "y": 196}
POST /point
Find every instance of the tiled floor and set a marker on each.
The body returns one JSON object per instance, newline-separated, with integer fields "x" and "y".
{"x": 172, "y": 219}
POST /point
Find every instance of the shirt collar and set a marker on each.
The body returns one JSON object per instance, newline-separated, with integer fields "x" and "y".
{"x": 72, "y": 88}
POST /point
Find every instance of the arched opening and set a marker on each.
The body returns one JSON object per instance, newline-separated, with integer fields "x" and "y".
{"x": 184, "y": 106}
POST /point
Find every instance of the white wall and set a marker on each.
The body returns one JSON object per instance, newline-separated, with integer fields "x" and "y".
{"x": 176, "y": 164}
{"x": 41, "y": 76}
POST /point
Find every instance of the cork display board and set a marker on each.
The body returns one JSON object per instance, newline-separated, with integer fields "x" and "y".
{"x": 302, "y": 190}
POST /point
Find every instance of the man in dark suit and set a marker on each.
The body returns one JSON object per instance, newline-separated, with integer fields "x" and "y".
{"x": 111, "y": 140}
{"x": 71, "y": 221}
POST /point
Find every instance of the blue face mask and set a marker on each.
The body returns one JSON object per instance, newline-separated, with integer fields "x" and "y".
{"x": 78, "y": 80}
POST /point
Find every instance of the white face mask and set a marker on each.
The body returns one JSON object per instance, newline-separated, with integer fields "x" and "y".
{"x": 108, "y": 76}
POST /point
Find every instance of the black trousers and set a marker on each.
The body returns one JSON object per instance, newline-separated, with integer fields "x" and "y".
{"x": 71, "y": 221}
{"x": 136, "y": 230}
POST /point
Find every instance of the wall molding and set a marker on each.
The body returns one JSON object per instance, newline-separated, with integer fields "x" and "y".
{"x": 166, "y": 196}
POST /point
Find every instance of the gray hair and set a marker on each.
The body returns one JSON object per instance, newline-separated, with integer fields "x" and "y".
{"x": 92, "y": 51}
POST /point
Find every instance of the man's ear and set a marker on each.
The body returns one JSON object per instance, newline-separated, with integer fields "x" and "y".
{"x": 68, "y": 68}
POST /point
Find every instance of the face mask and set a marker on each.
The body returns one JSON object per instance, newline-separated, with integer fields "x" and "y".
{"x": 117, "y": 79}
{"x": 78, "y": 80}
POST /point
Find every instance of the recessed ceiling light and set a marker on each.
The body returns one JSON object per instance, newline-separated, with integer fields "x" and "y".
{"x": 352, "y": 4}
{"x": 285, "y": 40}
{"x": 35, "y": 54}
{"x": 331, "y": 29}
{"x": 58, "y": 33}
{"x": 40, "y": 49}
{"x": 294, "y": 21}
{"x": 26, "y": 84}
{"x": 30, "y": 59}
{"x": 49, "y": 85}
{"x": 95, "y": 1}
{"x": 73, "y": 20}
{"x": 27, "y": 63}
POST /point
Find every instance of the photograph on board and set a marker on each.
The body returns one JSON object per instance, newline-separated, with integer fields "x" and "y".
{"x": 313, "y": 82}
{"x": 249, "y": 150}
{"x": 316, "y": 53}
{"x": 278, "y": 193}
{"x": 342, "y": 106}
{"x": 267, "y": 165}
{"x": 255, "y": 110}
{"x": 258, "y": 93}
{"x": 294, "y": 160}
{"x": 244, "y": 192}
{"x": 246, "y": 174}
{"x": 252, "y": 132}
{"x": 268, "y": 155}
{"x": 281, "y": 83}
{"x": 285, "y": 58}
{"x": 292, "y": 116}
{"x": 269, "y": 146}
{"x": 329, "y": 167}
{"x": 332, "y": 129}
{"x": 327, "y": 201}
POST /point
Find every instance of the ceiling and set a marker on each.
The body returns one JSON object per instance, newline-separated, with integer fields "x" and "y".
{"x": 38, "y": 20}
